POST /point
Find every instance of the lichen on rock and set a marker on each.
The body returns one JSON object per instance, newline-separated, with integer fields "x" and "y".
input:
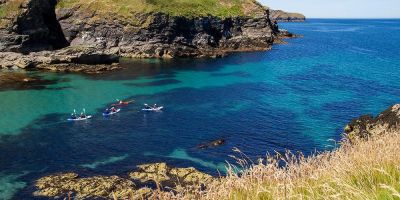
{"x": 83, "y": 188}
{"x": 164, "y": 175}
{"x": 60, "y": 185}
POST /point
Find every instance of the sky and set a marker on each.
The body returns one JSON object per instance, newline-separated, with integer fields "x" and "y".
{"x": 338, "y": 8}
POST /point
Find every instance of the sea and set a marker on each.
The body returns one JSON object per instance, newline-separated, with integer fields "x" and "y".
{"x": 297, "y": 97}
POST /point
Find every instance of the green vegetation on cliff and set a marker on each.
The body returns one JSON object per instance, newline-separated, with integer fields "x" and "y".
{"x": 187, "y": 8}
{"x": 8, "y": 11}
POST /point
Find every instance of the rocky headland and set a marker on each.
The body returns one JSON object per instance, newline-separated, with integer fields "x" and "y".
{"x": 282, "y": 16}
{"x": 75, "y": 35}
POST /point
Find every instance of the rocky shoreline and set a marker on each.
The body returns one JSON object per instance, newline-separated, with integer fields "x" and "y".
{"x": 40, "y": 35}
{"x": 138, "y": 184}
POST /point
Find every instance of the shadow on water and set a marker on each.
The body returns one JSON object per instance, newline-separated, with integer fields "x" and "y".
{"x": 167, "y": 68}
{"x": 27, "y": 81}
{"x": 155, "y": 83}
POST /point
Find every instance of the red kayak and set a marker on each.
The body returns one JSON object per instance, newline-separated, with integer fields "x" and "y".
{"x": 123, "y": 103}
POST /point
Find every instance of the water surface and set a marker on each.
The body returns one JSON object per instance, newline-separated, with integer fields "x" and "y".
{"x": 297, "y": 96}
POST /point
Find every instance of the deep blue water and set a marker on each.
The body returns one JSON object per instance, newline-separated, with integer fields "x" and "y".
{"x": 298, "y": 96}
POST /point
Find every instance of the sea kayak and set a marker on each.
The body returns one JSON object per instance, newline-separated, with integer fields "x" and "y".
{"x": 80, "y": 118}
{"x": 111, "y": 113}
{"x": 123, "y": 103}
{"x": 153, "y": 109}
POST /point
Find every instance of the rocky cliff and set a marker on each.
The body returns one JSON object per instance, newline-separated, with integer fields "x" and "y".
{"x": 45, "y": 32}
{"x": 283, "y": 16}
{"x": 369, "y": 126}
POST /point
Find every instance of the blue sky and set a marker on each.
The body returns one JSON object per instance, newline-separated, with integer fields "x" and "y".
{"x": 339, "y": 8}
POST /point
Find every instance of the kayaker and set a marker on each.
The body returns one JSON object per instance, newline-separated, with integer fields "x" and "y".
{"x": 73, "y": 116}
{"x": 113, "y": 109}
{"x": 147, "y": 106}
{"x": 83, "y": 116}
{"x": 107, "y": 111}
{"x": 155, "y": 106}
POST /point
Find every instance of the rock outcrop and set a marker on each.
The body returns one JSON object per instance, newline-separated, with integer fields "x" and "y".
{"x": 164, "y": 36}
{"x": 70, "y": 59}
{"x": 29, "y": 25}
{"x": 367, "y": 126}
{"x": 164, "y": 175}
{"x": 48, "y": 34}
{"x": 106, "y": 187}
{"x": 282, "y": 16}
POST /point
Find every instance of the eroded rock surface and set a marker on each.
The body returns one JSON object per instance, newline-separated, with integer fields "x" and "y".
{"x": 164, "y": 175}
{"x": 30, "y": 25}
{"x": 164, "y": 36}
{"x": 77, "y": 59}
{"x": 367, "y": 126}
{"x": 104, "y": 187}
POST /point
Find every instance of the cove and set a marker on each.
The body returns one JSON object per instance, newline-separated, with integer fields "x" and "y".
{"x": 297, "y": 96}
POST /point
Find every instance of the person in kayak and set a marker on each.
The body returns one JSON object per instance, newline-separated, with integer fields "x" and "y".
{"x": 113, "y": 109}
{"x": 147, "y": 106}
{"x": 107, "y": 111}
{"x": 83, "y": 115}
{"x": 73, "y": 116}
{"x": 155, "y": 106}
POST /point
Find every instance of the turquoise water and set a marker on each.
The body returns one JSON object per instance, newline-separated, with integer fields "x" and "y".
{"x": 298, "y": 96}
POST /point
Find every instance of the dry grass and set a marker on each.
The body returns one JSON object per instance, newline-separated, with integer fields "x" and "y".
{"x": 364, "y": 170}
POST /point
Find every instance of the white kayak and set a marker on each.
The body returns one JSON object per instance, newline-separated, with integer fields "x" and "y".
{"x": 111, "y": 113}
{"x": 153, "y": 109}
{"x": 80, "y": 118}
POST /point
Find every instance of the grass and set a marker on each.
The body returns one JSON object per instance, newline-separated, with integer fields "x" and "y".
{"x": 8, "y": 11}
{"x": 364, "y": 170}
{"x": 187, "y": 8}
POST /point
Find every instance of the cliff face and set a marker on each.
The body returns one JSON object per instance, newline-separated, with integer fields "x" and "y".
{"x": 368, "y": 126}
{"x": 134, "y": 28}
{"x": 162, "y": 35}
{"x": 280, "y": 15}
{"x": 29, "y": 25}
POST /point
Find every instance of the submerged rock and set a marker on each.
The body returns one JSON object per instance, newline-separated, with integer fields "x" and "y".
{"x": 214, "y": 143}
{"x": 22, "y": 81}
{"x": 367, "y": 126}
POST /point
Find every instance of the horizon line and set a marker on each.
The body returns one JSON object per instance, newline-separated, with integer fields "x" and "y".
{"x": 398, "y": 18}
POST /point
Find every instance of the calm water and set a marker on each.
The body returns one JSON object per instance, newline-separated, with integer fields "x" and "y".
{"x": 297, "y": 96}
